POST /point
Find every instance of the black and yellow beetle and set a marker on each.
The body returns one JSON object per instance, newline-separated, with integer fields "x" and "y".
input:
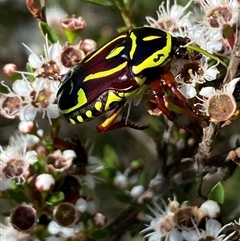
{"x": 123, "y": 68}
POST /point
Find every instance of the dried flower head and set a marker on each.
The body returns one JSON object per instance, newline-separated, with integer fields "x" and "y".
{"x": 73, "y": 23}
{"x": 23, "y": 217}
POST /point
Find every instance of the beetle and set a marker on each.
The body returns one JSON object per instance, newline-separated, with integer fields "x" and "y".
{"x": 127, "y": 66}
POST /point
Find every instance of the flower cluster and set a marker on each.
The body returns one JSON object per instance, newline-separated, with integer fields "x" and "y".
{"x": 49, "y": 181}
{"x": 211, "y": 27}
{"x": 180, "y": 222}
{"x": 35, "y": 91}
{"x": 50, "y": 188}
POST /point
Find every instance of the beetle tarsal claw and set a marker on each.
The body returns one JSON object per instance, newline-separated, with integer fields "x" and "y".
{"x": 136, "y": 126}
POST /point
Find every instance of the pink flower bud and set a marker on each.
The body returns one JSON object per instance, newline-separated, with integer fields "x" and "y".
{"x": 9, "y": 69}
{"x": 44, "y": 182}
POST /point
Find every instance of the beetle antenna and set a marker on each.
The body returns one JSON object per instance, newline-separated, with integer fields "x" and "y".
{"x": 206, "y": 53}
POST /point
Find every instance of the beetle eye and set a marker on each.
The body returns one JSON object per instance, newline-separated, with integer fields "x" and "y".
{"x": 180, "y": 52}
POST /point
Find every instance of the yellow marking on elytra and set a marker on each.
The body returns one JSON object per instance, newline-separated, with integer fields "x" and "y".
{"x": 98, "y": 105}
{"x": 72, "y": 121}
{"x": 82, "y": 99}
{"x": 112, "y": 97}
{"x": 105, "y": 73}
{"x": 134, "y": 45}
{"x": 104, "y": 46}
{"x": 115, "y": 52}
{"x": 89, "y": 113}
{"x": 80, "y": 119}
{"x": 156, "y": 59}
{"x": 149, "y": 38}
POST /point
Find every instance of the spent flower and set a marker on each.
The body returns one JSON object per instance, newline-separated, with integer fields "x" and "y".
{"x": 219, "y": 105}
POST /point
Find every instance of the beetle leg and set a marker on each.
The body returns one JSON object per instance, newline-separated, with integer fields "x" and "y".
{"x": 109, "y": 121}
{"x": 109, "y": 124}
{"x": 158, "y": 95}
{"x": 169, "y": 79}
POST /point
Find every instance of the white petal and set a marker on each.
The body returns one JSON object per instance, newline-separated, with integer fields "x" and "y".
{"x": 27, "y": 113}
{"x": 89, "y": 180}
{"x": 229, "y": 88}
{"x": 155, "y": 236}
{"x": 31, "y": 157}
{"x": 53, "y": 111}
{"x": 212, "y": 227}
{"x": 54, "y": 51}
{"x": 188, "y": 91}
{"x": 207, "y": 91}
{"x": 211, "y": 74}
{"x": 190, "y": 235}
{"x": 68, "y": 154}
{"x": 34, "y": 61}
{"x": 175, "y": 235}
{"x": 81, "y": 205}
{"x": 22, "y": 87}
{"x": 53, "y": 227}
{"x": 136, "y": 191}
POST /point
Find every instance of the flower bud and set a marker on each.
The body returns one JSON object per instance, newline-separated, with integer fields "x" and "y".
{"x": 136, "y": 191}
{"x": 9, "y": 69}
{"x": 210, "y": 209}
{"x": 88, "y": 45}
{"x": 99, "y": 220}
{"x": 44, "y": 182}
{"x": 25, "y": 126}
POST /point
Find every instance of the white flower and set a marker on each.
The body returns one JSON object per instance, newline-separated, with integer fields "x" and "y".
{"x": 39, "y": 96}
{"x": 15, "y": 160}
{"x": 219, "y": 13}
{"x": 55, "y": 228}
{"x": 8, "y": 233}
{"x": 162, "y": 226}
{"x": 212, "y": 232}
{"x": 172, "y": 18}
{"x": 60, "y": 161}
{"x": 48, "y": 65}
{"x": 203, "y": 74}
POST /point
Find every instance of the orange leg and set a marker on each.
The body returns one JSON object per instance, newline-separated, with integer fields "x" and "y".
{"x": 169, "y": 79}
{"x": 109, "y": 124}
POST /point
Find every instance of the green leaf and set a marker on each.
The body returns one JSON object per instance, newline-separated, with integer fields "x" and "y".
{"x": 3, "y": 89}
{"x": 99, "y": 234}
{"x": 56, "y": 197}
{"x": 110, "y": 157}
{"x": 122, "y": 197}
{"x": 46, "y": 30}
{"x": 232, "y": 198}
{"x": 71, "y": 35}
{"x": 217, "y": 193}
{"x": 16, "y": 195}
{"x": 106, "y": 3}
